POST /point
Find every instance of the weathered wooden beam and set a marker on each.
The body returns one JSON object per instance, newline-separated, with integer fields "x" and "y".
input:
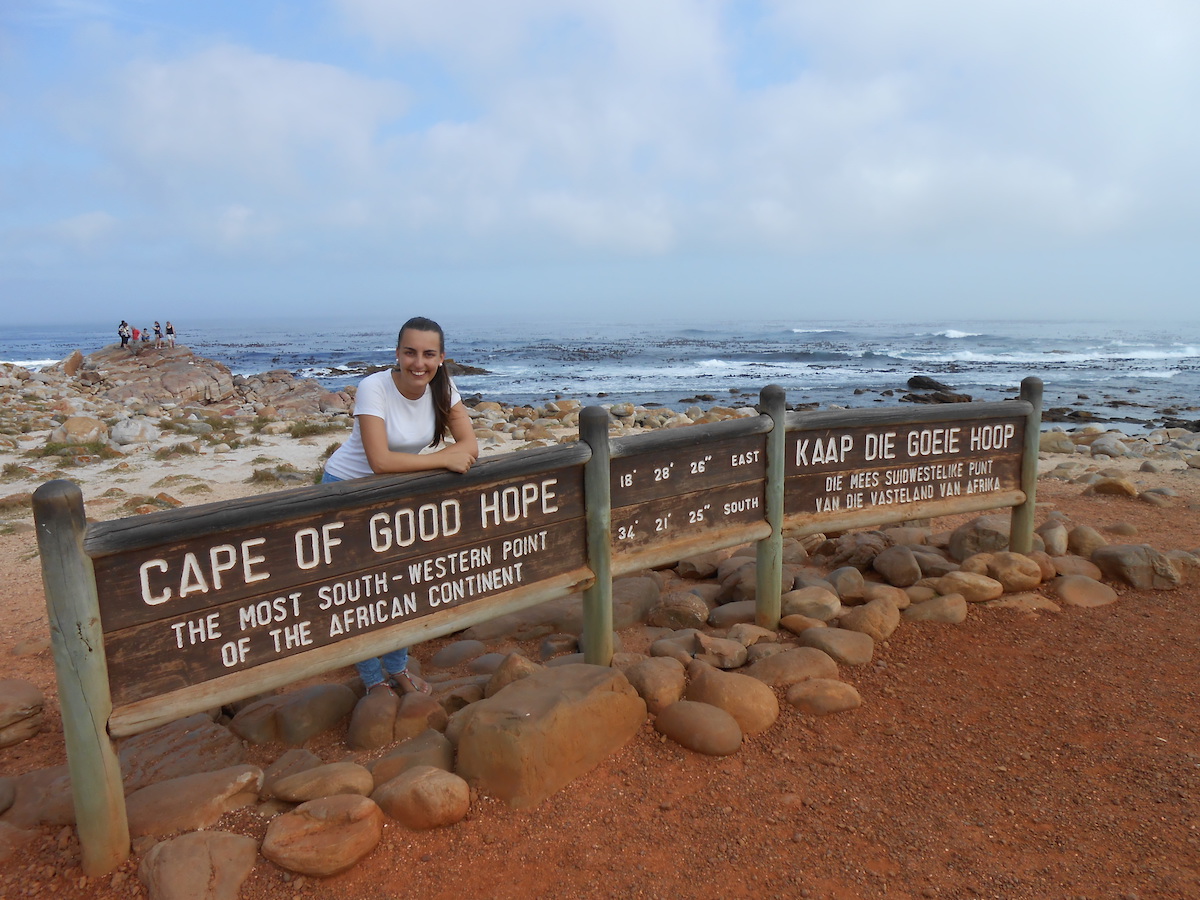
{"x": 916, "y": 415}
{"x": 78, "y": 646}
{"x": 769, "y": 571}
{"x": 1021, "y": 530}
{"x": 597, "y": 599}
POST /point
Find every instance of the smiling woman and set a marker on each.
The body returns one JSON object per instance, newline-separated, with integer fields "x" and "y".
{"x": 408, "y": 409}
{"x": 398, "y": 413}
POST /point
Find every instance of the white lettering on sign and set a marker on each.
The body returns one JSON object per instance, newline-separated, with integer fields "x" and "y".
{"x": 880, "y": 446}
{"x": 933, "y": 441}
{"x": 265, "y": 612}
{"x": 740, "y": 506}
{"x": 515, "y": 503}
{"x": 864, "y": 480}
{"x": 491, "y": 580}
{"x": 992, "y": 437}
{"x": 745, "y": 459}
{"x": 902, "y": 495}
{"x": 816, "y": 451}
{"x": 352, "y": 590}
{"x": 450, "y": 564}
{"x": 371, "y": 614}
{"x": 406, "y": 526}
{"x": 515, "y": 548}
{"x": 291, "y": 637}
{"x": 982, "y": 485}
{"x": 314, "y": 547}
{"x": 196, "y": 631}
{"x": 235, "y": 652}
{"x": 195, "y": 576}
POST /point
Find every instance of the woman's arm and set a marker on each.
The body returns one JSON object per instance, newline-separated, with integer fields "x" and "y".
{"x": 463, "y": 431}
{"x": 456, "y": 457}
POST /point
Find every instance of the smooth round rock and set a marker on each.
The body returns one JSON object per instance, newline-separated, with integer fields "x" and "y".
{"x": 822, "y": 696}
{"x": 700, "y": 727}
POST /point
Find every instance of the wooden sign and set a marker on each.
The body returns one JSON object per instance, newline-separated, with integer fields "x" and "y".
{"x": 830, "y": 471}
{"x": 671, "y": 494}
{"x": 192, "y": 610}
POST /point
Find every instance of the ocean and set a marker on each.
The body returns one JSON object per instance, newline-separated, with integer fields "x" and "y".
{"x": 1133, "y": 375}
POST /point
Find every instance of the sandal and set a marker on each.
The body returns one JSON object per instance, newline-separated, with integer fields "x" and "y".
{"x": 407, "y": 683}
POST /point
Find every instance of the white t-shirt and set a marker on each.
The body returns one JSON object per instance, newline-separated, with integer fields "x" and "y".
{"x": 409, "y": 423}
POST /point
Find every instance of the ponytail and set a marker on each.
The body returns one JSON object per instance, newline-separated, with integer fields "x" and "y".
{"x": 440, "y": 387}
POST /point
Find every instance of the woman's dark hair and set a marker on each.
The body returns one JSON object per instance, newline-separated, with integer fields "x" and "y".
{"x": 439, "y": 386}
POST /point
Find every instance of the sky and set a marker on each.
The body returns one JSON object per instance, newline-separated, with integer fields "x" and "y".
{"x": 577, "y": 159}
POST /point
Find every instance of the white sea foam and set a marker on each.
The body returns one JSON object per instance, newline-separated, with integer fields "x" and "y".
{"x": 32, "y": 365}
{"x": 952, "y": 333}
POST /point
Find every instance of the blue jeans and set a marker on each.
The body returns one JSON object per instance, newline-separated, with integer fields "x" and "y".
{"x": 371, "y": 670}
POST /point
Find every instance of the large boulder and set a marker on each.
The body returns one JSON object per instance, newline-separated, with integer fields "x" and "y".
{"x": 79, "y": 430}
{"x": 191, "y": 802}
{"x": 851, "y": 648}
{"x": 294, "y": 717}
{"x": 700, "y": 727}
{"x": 324, "y": 837}
{"x": 786, "y": 668}
{"x": 898, "y": 565}
{"x": 659, "y": 680}
{"x": 200, "y": 865}
{"x": 430, "y": 748}
{"x": 41, "y": 797}
{"x": 812, "y": 602}
{"x": 980, "y": 535}
{"x": 1138, "y": 565}
{"x": 541, "y": 732}
{"x": 822, "y": 696}
{"x": 424, "y": 797}
{"x": 20, "y": 711}
{"x": 948, "y": 608}
{"x": 324, "y": 781}
{"x": 134, "y": 430}
{"x": 183, "y": 747}
{"x": 973, "y": 587}
{"x": 1079, "y": 590}
{"x": 748, "y": 700}
{"x": 878, "y": 619}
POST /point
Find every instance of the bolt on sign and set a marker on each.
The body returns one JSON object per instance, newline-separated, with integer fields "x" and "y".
{"x": 185, "y": 612}
{"x": 832, "y": 471}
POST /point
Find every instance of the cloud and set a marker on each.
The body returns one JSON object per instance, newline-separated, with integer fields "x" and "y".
{"x": 237, "y": 115}
{"x": 561, "y": 132}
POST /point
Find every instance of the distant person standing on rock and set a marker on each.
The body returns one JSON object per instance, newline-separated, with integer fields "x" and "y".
{"x": 123, "y": 333}
{"x": 170, "y": 334}
{"x": 137, "y": 335}
{"x": 398, "y": 413}
{"x": 157, "y": 336}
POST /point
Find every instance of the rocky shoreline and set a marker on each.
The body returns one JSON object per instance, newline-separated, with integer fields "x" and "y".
{"x": 309, "y": 779}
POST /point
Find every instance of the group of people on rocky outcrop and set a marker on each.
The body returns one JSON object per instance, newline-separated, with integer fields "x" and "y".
{"x": 142, "y": 335}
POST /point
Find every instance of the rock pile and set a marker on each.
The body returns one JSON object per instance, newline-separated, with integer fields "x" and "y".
{"x": 518, "y": 726}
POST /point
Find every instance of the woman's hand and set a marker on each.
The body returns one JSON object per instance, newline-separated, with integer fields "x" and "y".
{"x": 455, "y": 458}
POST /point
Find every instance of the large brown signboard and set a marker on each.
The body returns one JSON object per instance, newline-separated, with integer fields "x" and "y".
{"x": 186, "y": 612}
{"x": 835, "y": 470}
{"x": 672, "y": 494}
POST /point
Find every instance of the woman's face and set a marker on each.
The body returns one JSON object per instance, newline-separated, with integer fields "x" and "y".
{"x": 418, "y": 358}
